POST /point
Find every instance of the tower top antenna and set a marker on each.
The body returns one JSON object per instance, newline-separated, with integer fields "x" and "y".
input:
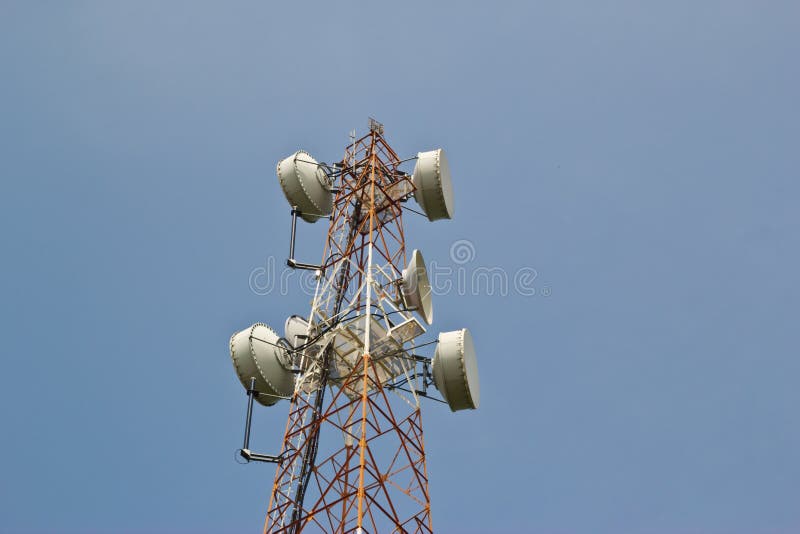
{"x": 375, "y": 126}
{"x": 355, "y": 370}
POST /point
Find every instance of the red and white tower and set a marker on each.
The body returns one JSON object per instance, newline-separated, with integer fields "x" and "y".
{"x": 353, "y": 455}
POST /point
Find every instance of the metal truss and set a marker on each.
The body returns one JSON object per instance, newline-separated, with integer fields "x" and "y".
{"x": 353, "y": 456}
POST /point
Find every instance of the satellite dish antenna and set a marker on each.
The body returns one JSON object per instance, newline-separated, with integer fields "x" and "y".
{"x": 257, "y": 354}
{"x": 416, "y": 289}
{"x": 434, "y": 189}
{"x": 296, "y": 330}
{"x": 306, "y": 186}
{"x": 455, "y": 370}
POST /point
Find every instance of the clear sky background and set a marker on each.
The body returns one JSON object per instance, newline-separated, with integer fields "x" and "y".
{"x": 641, "y": 157}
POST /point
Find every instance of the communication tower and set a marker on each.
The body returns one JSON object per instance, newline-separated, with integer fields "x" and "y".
{"x": 353, "y": 372}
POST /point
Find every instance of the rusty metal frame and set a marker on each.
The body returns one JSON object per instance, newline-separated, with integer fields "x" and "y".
{"x": 363, "y": 455}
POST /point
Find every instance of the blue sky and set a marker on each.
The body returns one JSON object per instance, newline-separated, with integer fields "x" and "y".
{"x": 641, "y": 157}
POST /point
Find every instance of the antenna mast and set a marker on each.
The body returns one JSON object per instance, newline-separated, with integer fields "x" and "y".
{"x": 353, "y": 456}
